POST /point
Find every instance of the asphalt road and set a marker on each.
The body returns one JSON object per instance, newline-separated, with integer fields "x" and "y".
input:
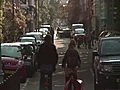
{"x": 85, "y": 72}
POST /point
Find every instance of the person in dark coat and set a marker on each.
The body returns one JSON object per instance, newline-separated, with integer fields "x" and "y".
{"x": 52, "y": 34}
{"x": 47, "y": 53}
{"x": 47, "y": 58}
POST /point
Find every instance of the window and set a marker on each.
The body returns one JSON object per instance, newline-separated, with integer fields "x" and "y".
{"x": 110, "y": 47}
{"x": 11, "y": 51}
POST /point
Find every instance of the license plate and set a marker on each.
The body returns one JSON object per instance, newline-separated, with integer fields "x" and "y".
{"x": 9, "y": 72}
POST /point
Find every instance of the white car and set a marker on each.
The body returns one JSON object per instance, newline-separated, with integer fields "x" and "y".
{"x": 27, "y": 39}
{"x": 38, "y": 36}
{"x": 45, "y": 31}
{"x": 79, "y": 31}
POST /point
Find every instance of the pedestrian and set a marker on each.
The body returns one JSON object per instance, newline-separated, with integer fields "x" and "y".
{"x": 52, "y": 33}
{"x": 47, "y": 58}
{"x": 58, "y": 29}
{"x": 72, "y": 59}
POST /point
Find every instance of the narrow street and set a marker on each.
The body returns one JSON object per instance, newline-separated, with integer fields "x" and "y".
{"x": 85, "y": 72}
{"x": 24, "y": 25}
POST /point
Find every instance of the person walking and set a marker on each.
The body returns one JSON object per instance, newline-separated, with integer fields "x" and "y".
{"x": 52, "y": 33}
{"x": 47, "y": 58}
{"x": 72, "y": 59}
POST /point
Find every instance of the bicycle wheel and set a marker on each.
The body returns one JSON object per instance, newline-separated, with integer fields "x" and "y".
{"x": 72, "y": 86}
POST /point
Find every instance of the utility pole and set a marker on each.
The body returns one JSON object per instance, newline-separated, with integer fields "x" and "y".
{"x": 13, "y": 28}
{"x": 38, "y": 12}
{"x": 31, "y": 5}
{"x": 89, "y": 24}
{"x": 13, "y": 5}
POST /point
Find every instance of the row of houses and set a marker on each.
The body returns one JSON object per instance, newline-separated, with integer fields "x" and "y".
{"x": 100, "y": 14}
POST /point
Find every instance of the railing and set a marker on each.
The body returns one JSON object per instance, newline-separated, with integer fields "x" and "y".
{"x": 12, "y": 82}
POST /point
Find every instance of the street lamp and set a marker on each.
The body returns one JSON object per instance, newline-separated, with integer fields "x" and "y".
{"x": 31, "y": 5}
{"x": 89, "y": 24}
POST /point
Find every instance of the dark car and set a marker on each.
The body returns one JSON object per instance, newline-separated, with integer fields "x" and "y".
{"x": 106, "y": 63}
{"x": 64, "y": 32}
{"x": 12, "y": 59}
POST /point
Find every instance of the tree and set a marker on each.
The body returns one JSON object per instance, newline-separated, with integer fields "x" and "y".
{"x": 74, "y": 11}
{"x": 116, "y": 15}
{"x": 44, "y": 13}
{"x": 1, "y": 4}
{"x": 12, "y": 28}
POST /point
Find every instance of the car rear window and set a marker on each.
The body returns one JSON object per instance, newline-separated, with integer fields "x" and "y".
{"x": 11, "y": 51}
{"x": 110, "y": 47}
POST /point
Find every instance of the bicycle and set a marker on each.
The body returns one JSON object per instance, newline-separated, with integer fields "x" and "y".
{"x": 46, "y": 79}
{"x": 73, "y": 83}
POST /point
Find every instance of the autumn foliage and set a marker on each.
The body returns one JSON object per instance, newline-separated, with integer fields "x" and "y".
{"x": 13, "y": 24}
{"x": 74, "y": 11}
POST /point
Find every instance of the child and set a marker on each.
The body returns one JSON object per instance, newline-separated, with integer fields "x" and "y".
{"x": 72, "y": 59}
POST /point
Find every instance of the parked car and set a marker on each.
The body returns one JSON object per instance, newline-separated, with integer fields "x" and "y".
{"x": 106, "y": 63}
{"x": 31, "y": 39}
{"x": 77, "y": 25}
{"x": 12, "y": 59}
{"x": 38, "y": 36}
{"x": 27, "y": 39}
{"x": 46, "y": 26}
{"x": 29, "y": 50}
{"x": 44, "y": 31}
{"x": 49, "y": 27}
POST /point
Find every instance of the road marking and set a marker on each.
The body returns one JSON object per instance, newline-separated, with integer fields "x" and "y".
{"x": 59, "y": 85}
{"x": 25, "y": 84}
{"x": 86, "y": 55}
{"x": 84, "y": 58}
{"x": 83, "y": 70}
{"x": 60, "y": 55}
{"x": 85, "y": 62}
{"x": 60, "y": 64}
{"x": 58, "y": 73}
{"x": 92, "y": 72}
